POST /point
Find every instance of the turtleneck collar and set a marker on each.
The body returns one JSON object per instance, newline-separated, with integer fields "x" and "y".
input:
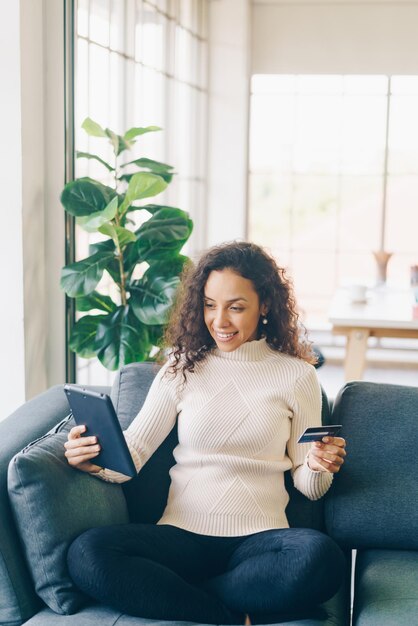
{"x": 249, "y": 351}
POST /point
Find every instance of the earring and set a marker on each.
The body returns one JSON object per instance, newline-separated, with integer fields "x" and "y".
{"x": 265, "y": 320}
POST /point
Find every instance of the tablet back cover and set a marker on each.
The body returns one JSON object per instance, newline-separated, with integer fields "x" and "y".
{"x": 97, "y": 412}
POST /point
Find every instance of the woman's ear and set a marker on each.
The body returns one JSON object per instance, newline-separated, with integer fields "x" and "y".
{"x": 264, "y": 309}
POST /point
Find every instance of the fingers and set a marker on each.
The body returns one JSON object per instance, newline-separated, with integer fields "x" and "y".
{"x": 337, "y": 441}
{"x": 76, "y": 461}
{"x": 79, "y": 442}
{"x": 76, "y": 432}
{"x": 82, "y": 451}
{"x": 328, "y": 454}
{"x": 79, "y": 450}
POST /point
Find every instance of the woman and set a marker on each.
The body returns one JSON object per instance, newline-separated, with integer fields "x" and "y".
{"x": 241, "y": 384}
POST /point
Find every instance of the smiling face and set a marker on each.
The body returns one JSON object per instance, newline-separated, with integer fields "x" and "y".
{"x": 232, "y": 309}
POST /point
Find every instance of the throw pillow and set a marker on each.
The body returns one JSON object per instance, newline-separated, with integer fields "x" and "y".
{"x": 53, "y": 504}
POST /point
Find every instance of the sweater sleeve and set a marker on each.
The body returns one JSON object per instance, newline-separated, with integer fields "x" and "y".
{"x": 306, "y": 413}
{"x": 152, "y": 424}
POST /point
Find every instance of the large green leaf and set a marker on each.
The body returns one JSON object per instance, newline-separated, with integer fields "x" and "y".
{"x": 167, "y": 176}
{"x": 164, "y": 269}
{"x": 131, "y": 257}
{"x": 114, "y": 140}
{"x": 150, "y": 164}
{"x": 153, "y": 208}
{"x": 143, "y": 185}
{"x": 95, "y": 157}
{"x": 80, "y": 278}
{"x": 83, "y": 335}
{"x": 135, "y": 132}
{"x": 152, "y": 298}
{"x": 121, "y": 339}
{"x": 102, "y": 246}
{"x": 94, "y": 221}
{"x": 95, "y": 300}
{"x": 119, "y": 143}
{"x": 155, "y": 334}
{"x": 85, "y": 196}
{"x": 155, "y": 166}
{"x": 121, "y": 236}
{"x": 164, "y": 234}
{"x": 93, "y": 128}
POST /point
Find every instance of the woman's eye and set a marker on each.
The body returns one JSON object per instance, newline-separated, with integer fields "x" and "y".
{"x": 236, "y": 308}
{"x": 208, "y": 305}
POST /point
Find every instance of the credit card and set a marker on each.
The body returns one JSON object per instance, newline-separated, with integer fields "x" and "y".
{"x": 316, "y": 433}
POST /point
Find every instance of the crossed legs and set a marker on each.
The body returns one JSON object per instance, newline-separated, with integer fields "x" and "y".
{"x": 163, "y": 572}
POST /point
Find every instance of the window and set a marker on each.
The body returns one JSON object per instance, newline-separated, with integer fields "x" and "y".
{"x": 334, "y": 177}
{"x": 141, "y": 63}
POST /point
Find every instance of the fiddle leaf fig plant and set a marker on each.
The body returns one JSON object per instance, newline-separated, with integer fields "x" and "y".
{"x": 143, "y": 263}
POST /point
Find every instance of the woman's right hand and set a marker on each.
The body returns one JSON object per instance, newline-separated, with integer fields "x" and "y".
{"x": 79, "y": 450}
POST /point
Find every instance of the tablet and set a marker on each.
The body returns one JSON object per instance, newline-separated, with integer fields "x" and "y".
{"x": 95, "y": 410}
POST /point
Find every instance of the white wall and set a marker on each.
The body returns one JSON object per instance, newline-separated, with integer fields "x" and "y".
{"x": 43, "y": 160}
{"x": 12, "y": 377}
{"x": 54, "y": 167}
{"x": 32, "y": 166}
{"x": 297, "y": 36}
{"x": 229, "y": 76}
{"x": 335, "y": 36}
{"x": 32, "y": 60}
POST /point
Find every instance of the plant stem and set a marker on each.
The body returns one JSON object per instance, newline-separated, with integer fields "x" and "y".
{"x": 122, "y": 284}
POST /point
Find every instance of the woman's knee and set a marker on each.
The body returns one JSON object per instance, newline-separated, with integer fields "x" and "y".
{"x": 312, "y": 560}
{"x": 86, "y": 549}
{"x": 324, "y": 563}
{"x": 322, "y": 548}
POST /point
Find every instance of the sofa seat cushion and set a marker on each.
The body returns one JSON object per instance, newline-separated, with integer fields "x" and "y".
{"x": 386, "y": 590}
{"x": 52, "y": 504}
{"x": 106, "y": 616}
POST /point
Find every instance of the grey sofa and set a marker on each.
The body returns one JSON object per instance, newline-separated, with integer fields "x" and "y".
{"x": 44, "y": 504}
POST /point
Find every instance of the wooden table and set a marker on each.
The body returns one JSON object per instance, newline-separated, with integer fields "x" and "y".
{"x": 387, "y": 312}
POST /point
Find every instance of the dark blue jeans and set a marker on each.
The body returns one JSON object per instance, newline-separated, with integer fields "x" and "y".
{"x": 163, "y": 572}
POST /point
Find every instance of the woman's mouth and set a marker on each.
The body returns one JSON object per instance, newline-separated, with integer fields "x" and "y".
{"x": 225, "y": 337}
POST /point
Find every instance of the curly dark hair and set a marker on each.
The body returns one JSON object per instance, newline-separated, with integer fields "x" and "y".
{"x": 187, "y": 333}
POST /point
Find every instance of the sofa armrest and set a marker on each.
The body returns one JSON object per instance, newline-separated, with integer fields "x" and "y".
{"x": 29, "y": 422}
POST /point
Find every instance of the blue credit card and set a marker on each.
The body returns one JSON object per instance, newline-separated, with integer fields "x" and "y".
{"x": 315, "y": 433}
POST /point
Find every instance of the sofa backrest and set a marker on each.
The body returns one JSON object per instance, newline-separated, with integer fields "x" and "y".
{"x": 152, "y": 483}
{"x": 373, "y": 502}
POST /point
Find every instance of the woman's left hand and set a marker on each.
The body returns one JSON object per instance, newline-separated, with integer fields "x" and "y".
{"x": 327, "y": 455}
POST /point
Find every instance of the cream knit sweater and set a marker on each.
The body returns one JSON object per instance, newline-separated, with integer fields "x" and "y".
{"x": 239, "y": 417}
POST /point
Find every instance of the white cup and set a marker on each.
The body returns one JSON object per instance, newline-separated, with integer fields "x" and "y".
{"x": 357, "y": 293}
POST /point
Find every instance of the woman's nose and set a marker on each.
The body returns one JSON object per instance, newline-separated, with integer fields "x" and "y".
{"x": 221, "y": 319}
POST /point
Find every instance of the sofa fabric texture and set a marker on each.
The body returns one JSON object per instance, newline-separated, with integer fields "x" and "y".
{"x": 97, "y": 614}
{"x": 18, "y": 600}
{"x": 374, "y": 502}
{"x": 46, "y": 493}
{"x": 387, "y": 588}
{"x": 53, "y": 504}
